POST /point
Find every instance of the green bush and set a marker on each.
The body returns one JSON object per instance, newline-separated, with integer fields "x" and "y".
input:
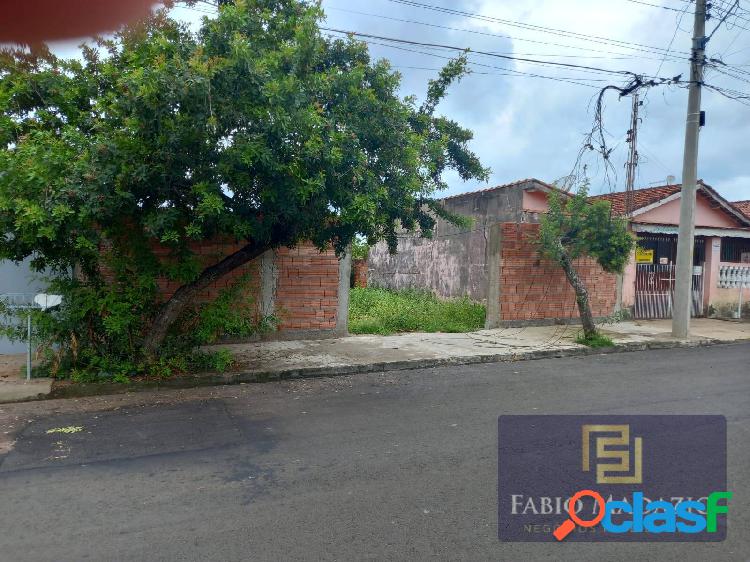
{"x": 96, "y": 333}
{"x": 381, "y": 311}
{"x": 597, "y": 340}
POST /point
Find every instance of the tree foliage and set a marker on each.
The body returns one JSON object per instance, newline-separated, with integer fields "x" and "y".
{"x": 256, "y": 128}
{"x": 575, "y": 227}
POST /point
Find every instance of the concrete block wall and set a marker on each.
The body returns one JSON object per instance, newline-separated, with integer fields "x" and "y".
{"x": 532, "y": 290}
{"x": 450, "y": 265}
{"x": 454, "y": 262}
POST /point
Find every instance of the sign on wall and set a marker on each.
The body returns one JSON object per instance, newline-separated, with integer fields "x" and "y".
{"x": 644, "y": 256}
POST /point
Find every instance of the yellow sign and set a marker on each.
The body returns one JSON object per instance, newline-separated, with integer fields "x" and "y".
{"x": 644, "y": 256}
{"x": 617, "y": 447}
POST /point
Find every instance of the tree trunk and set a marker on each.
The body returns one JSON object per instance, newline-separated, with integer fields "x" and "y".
{"x": 185, "y": 295}
{"x": 582, "y": 296}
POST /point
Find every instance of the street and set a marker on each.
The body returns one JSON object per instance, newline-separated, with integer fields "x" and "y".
{"x": 383, "y": 466}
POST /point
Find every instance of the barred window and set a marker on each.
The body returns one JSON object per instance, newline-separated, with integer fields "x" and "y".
{"x": 732, "y": 249}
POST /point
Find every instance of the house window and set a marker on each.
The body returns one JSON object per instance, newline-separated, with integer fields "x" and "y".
{"x": 735, "y": 250}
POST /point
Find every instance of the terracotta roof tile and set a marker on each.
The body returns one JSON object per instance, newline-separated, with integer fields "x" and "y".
{"x": 743, "y": 207}
{"x": 641, "y": 197}
{"x": 649, "y": 195}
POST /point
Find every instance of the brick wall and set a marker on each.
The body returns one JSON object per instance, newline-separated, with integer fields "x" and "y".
{"x": 301, "y": 284}
{"x": 360, "y": 273}
{"x": 535, "y": 289}
{"x": 209, "y": 253}
{"x": 307, "y": 289}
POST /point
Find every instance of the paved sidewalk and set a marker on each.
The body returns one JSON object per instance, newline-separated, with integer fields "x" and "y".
{"x": 424, "y": 350}
{"x": 13, "y": 384}
{"x": 275, "y": 360}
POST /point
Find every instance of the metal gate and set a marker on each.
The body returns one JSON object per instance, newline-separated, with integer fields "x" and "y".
{"x": 654, "y": 290}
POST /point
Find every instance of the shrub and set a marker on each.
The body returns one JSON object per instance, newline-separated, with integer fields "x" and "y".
{"x": 597, "y": 340}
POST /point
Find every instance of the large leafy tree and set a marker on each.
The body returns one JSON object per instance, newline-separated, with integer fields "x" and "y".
{"x": 257, "y": 128}
{"x": 575, "y": 227}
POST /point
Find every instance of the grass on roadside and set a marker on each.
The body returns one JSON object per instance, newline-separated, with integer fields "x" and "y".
{"x": 381, "y": 311}
{"x": 598, "y": 340}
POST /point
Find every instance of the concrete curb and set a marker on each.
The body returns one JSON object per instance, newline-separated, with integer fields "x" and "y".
{"x": 72, "y": 390}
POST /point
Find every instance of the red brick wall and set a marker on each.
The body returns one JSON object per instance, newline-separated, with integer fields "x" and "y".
{"x": 360, "y": 273}
{"x": 307, "y": 290}
{"x": 209, "y": 253}
{"x": 306, "y": 293}
{"x": 536, "y": 289}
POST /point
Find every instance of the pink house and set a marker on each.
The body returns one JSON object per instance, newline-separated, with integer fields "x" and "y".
{"x": 721, "y": 255}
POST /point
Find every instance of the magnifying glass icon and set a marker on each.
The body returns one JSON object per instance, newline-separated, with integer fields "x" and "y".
{"x": 569, "y": 524}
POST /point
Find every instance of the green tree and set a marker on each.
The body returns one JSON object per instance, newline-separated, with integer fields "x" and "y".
{"x": 575, "y": 227}
{"x": 256, "y": 128}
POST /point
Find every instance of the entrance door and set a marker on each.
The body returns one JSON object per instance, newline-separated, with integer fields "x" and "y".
{"x": 654, "y": 291}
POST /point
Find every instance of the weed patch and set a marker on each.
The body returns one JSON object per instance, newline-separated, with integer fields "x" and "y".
{"x": 381, "y": 311}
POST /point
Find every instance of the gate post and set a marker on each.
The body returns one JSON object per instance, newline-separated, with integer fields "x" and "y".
{"x": 342, "y": 311}
{"x": 492, "y": 320}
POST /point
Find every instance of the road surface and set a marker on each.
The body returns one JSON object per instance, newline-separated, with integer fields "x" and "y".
{"x": 389, "y": 466}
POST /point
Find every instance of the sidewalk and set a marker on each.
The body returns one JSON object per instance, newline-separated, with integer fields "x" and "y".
{"x": 13, "y": 384}
{"x": 275, "y": 360}
{"x": 414, "y": 350}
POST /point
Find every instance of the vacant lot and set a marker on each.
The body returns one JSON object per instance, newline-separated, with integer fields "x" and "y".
{"x": 380, "y": 311}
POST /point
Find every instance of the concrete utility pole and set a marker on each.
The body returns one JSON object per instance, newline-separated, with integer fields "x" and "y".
{"x": 633, "y": 156}
{"x": 684, "y": 276}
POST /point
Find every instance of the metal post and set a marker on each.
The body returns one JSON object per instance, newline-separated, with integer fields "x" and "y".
{"x": 28, "y": 347}
{"x": 632, "y": 163}
{"x": 684, "y": 275}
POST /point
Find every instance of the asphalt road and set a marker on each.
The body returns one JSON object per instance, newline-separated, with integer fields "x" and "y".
{"x": 391, "y": 466}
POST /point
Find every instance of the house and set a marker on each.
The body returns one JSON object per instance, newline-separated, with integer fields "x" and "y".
{"x": 495, "y": 260}
{"x": 722, "y": 245}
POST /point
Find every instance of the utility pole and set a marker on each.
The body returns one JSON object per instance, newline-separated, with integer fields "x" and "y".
{"x": 684, "y": 275}
{"x": 633, "y": 156}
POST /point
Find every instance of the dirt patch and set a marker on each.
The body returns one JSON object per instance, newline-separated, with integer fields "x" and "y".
{"x": 11, "y": 366}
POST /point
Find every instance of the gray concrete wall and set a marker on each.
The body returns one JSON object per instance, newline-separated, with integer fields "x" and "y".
{"x": 17, "y": 278}
{"x": 454, "y": 262}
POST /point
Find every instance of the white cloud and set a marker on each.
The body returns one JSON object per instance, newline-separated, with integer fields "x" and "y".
{"x": 533, "y": 127}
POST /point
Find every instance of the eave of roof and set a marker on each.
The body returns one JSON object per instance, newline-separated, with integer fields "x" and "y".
{"x": 651, "y": 196}
{"x": 544, "y": 185}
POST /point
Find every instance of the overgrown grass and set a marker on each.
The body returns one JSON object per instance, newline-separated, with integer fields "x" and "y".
{"x": 597, "y": 340}
{"x": 380, "y": 311}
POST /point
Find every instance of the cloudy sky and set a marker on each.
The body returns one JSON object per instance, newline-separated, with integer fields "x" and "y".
{"x": 532, "y": 126}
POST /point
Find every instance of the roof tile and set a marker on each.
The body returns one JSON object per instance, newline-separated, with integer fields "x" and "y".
{"x": 743, "y": 207}
{"x": 504, "y": 186}
{"x": 641, "y": 197}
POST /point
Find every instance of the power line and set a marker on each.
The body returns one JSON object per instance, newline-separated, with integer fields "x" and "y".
{"x": 580, "y": 81}
{"x": 570, "y": 80}
{"x": 532, "y": 27}
{"x": 655, "y": 5}
{"x": 723, "y": 19}
{"x": 490, "y": 54}
{"x": 502, "y": 36}
{"x": 671, "y": 42}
